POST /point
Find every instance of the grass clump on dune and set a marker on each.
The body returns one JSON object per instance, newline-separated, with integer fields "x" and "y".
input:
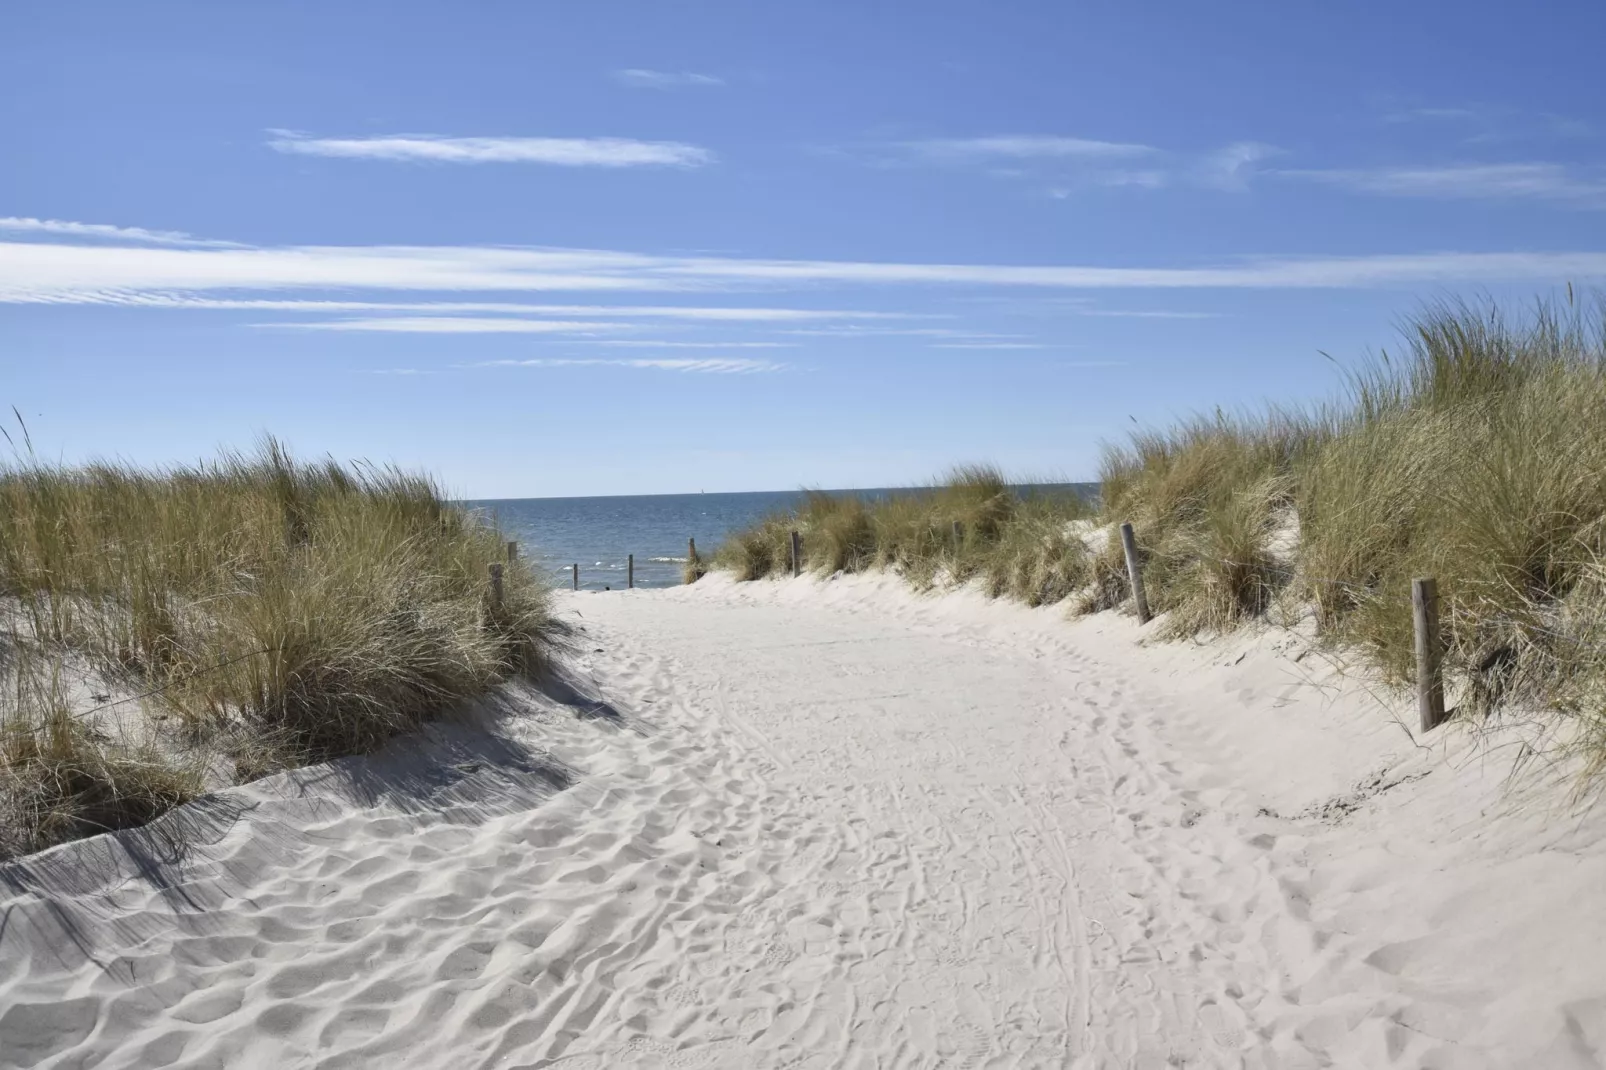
{"x": 973, "y": 524}
{"x": 1205, "y": 500}
{"x": 273, "y": 613}
{"x": 1475, "y": 456}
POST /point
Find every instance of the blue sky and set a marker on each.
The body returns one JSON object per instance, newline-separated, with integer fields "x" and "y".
{"x": 548, "y": 249}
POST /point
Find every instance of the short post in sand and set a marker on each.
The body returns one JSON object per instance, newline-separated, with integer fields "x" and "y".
{"x": 797, "y": 555}
{"x": 630, "y": 571}
{"x": 1429, "y": 652}
{"x": 576, "y": 568}
{"x": 512, "y": 551}
{"x": 691, "y": 559}
{"x": 496, "y": 585}
{"x": 1134, "y": 572}
{"x": 959, "y": 536}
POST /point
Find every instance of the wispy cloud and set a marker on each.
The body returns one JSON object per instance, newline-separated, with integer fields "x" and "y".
{"x": 642, "y": 78}
{"x": 105, "y": 231}
{"x": 657, "y": 343}
{"x": 558, "y": 151}
{"x": 1484, "y": 125}
{"x": 1231, "y": 166}
{"x": 989, "y": 345}
{"x": 1069, "y": 164}
{"x": 141, "y": 299}
{"x": 1545, "y": 181}
{"x": 1024, "y": 147}
{"x": 1145, "y": 314}
{"x": 66, "y": 272}
{"x": 451, "y": 325}
{"x": 1417, "y": 115}
{"x": 898, "y": 332}
{"x": 710, "y": 366}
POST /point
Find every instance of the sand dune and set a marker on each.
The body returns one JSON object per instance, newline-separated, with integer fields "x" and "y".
{"x": 811, "y": 825}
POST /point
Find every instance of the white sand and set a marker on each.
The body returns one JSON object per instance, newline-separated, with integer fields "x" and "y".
{"x": 837, "y": 825}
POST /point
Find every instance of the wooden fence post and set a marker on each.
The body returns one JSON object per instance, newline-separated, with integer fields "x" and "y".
{"x": 797, "y": 555}
{"x": 691, "y": 560}
{"x": 496, "y": 584}
{"x": 1429, "y": 652}
{"x": 959, "y": 535}
{"x": 512, "y": 551}
{"x": 630, "y": 571}
{"x": 576, "y": 567}
{"x": 1134, "y": 572}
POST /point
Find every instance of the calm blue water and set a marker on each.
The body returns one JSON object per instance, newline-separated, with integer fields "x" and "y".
{"x": 598, "y": 533}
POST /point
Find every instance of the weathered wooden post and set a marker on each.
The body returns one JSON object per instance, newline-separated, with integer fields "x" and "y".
{"x": 797, "y": 555}
{"x": 1134, "y": 572}
{"x": 959, "y": 536}
{"x": 576, "y": 567}
{"x": 496, "y": 585}
{"x": 691, "y": 560}
{"x": 630, "y": 571}
{"x": 1429, "y": 652}
{"x": 512, "y": 551}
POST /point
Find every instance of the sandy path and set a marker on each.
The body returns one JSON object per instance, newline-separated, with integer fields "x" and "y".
{"x": 951, "y": 854}
{"x": 840, "y": 826}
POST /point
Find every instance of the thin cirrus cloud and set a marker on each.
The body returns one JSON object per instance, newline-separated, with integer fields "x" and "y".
{"x": 452, "y": 325}
{"x": 1489, "y": 125}
{"x": 693, "y": 313}
{"x": 657, "y": 343}
{"x": 105, "y": 231}
{"x": 897, "y": 332}
{"x": 1544, "y": 181}
{"x": 65, "y": 272}
{"x": 503, "y": 325}
{"x": 643, "y": 78}
{"x": 1145, "y": 314}
{"x": 1023, "y": 147}
{"x": 989, "y": 345}
{"x": 1417, "y": 115}
{"x": 612, "y": 152}
{"x": 1072, "y": 163}
{"x": 707, "y": 366}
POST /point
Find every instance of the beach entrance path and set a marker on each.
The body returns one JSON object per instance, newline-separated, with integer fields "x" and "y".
{"x": 812, "y": 825}
{"x": 917, "y": 847}
{"x": 940, "y": 832}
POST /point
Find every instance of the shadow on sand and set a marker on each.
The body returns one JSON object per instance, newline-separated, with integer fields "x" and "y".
{"x": 72, "y": 903}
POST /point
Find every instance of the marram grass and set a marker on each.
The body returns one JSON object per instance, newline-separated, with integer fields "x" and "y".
{"x": 972, "y": 524}
{"x": 1476, "y": 455}
{"x": 273, "y": 613}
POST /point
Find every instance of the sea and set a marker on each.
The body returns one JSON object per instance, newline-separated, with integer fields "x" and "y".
{"x": 600, "y": 534}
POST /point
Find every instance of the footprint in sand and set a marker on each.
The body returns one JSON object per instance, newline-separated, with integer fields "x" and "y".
{"x": 568, "y": 1062}
{"x": 1224, "y": 1024}
{"x": 682, "y": 995}
{"x": 970, "y": 1044}
{"x": 715, "y": 1055}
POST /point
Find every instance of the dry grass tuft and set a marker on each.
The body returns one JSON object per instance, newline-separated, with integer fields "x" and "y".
{"x": 1476, "y": 456}
{"x": 62, "y": 782}
{"x": 282, "y": 612}
{"x": 694, "y": 569}
{"x": 971, "y": 524}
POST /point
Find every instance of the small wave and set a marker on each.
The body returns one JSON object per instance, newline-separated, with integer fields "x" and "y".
{"x": 667, "y": 560}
